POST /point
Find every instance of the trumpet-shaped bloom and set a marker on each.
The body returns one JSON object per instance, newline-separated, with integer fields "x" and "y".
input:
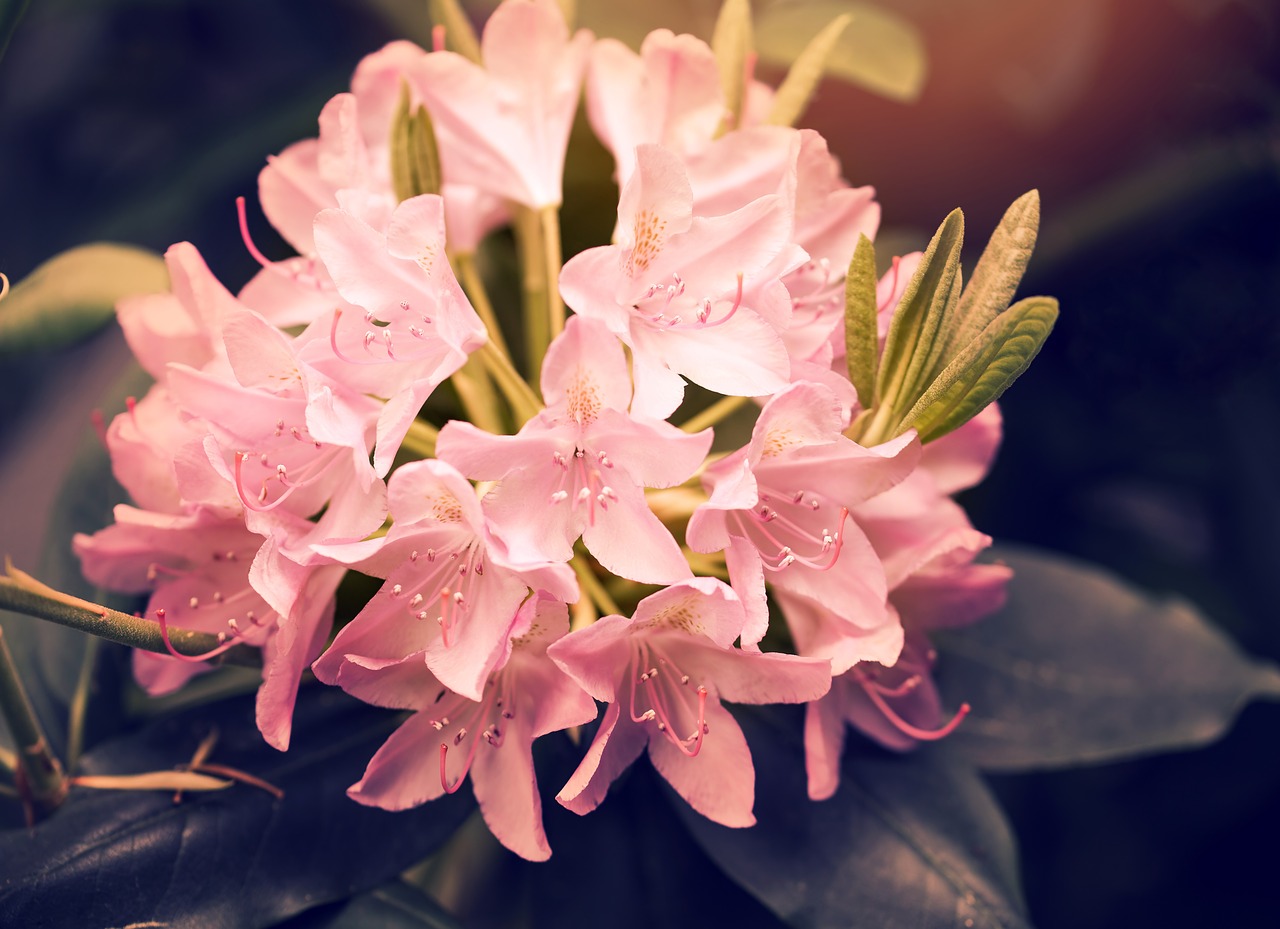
{"x": 450, "y": 592}
{"x": 676, "y": 287}
{"x": 503, "y": 128}
{"x": 781, "y": 506}
{"x": 450, "y": 736}
{"x": 586, "y": 461}
{"x": 664, "y": 672}
{"x": 211, "y": 574}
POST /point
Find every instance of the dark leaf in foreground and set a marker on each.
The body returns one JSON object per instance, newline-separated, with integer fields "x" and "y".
{"x": 230, "y": 858}
{"x": 913, "y": 840}
{"x": 1080, "y": 667}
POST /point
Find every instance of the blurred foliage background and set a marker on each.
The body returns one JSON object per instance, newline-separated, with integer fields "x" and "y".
{"x": 1145, "y": 437}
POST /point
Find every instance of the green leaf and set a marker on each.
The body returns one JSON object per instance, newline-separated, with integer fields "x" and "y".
{"x": 861, "y": 332}
{"x": 74, "y": 294}
{"x": 51, "y": 656}
{"x": 234, "y": 857}
{"x": 10, "y": 15}
{"x": 458, "y": 33}
{"x": 995, "y": 278}
{"x": 984, "y": 369}
{"x": 1081, "y": 667}
{"x": 881, "y": 51}
{"x": 732, "y": 42}
{"x": 914, "y": 342}
{"x": 913, "y": 840}
{"x": 395, "y": 905}
{"x": 804, "y": 75}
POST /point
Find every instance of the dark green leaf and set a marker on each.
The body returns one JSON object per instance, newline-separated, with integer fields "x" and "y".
{"x": 1080, "y": 667}
{"x": 984, "y": 369}
{"x": 10, "y": 15}
{"x": 906, "y": 841}
{"x": 50, "y": 656}
{"x": 231, "y": 858}
{"x": 861, "y": 327}
{"x": 74, "y": 294}
{"x": 396, "y": 905}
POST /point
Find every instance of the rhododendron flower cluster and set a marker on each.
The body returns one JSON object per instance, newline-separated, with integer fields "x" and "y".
{"x": 582, "y": 541}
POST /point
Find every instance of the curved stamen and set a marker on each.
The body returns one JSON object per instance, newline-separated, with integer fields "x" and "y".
{"x": 205, "y": 656}
{"x": 267, "y": 263}
{"x": 922, "y": 735}
{"x": 258, "y": 506}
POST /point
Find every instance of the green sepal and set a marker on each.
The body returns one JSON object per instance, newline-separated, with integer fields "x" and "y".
{"x": 401, "y": 160}
{"x": 797, "y": 89}
{"x": 732, "y": 42}
{"x": 995, "y": 278}
{"x": 915, "y": 341}
{"x": 458, "y": 32}
{"x": 861, "y": 333}
{"x": 74, "y": 294}
{"x": 984, "y": 369}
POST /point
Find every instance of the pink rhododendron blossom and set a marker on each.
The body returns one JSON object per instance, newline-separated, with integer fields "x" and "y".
{"x": 587, "y": 460}
{"x": 450, "y": 736}
{"x": 414, "y": 326}
{"x": 780, "y": 508}
{"x": 674, "y": 288}
{"x": 663, "y": 673}
{"x": 450, "y": 593}
{"x": 210, "y": 574}
{"x": 503, "y": 128}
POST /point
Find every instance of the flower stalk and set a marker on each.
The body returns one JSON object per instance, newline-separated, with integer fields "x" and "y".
{"x": 39, "y": 772}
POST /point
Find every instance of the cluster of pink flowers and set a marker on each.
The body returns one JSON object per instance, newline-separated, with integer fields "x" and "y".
{"x": 281, "y": 448}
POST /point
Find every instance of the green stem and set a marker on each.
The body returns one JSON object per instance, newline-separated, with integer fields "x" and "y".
{"x": 475, "y": 390}
{"x": 80, "y": 703}
{"x": 533, "y": 275}
{"x": 23, "y": 594}
{"x": 40, "y": 768}
{"x": 525, "y": 403}
{"x": 473, "y": 284}
{"x": 421, "y": 439}
{"x": 551, "y": 251}
{"x": 714, "y": 413}
{"x": 593, "y": 588}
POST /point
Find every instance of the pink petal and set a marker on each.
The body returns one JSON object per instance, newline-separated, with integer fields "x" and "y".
{"x": 720, "y": 781}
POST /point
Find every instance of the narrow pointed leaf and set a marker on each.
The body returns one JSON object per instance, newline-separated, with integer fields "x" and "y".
{"x": 803, "y": 77}
{"x": 912, "y": 840}
{"x": 984, "y": 369}
{"x": 74, "y": 294}
{"x": 1081, "y": 667}
{"x": 235, "y": 857}
{"x": 881, "y": 51}
{"x": 914, "y": 342}
{"x": 861, "y": 333}
{"x": 732, "y": 42}
{"x": 458, "y": 32}
{"x": 995, "y": 278}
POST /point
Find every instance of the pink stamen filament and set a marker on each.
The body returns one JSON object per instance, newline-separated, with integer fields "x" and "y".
{"x": 452, "y": 596}
{"x": 470, "y": 728}
{"x": 658, "y": 703}
{"x": 830, "y": 545}
{"x": 258, "y": 506}
{"x": 876, "y": 696}
{"x": 212, "y": 653}
{"x": 266, "y": 262}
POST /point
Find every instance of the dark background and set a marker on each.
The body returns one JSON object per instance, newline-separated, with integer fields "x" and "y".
{"x": 1145, "y": 437}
